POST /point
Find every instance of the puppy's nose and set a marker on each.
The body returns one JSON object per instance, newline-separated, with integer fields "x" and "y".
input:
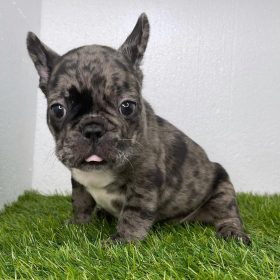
{"x": 93, "y": 131}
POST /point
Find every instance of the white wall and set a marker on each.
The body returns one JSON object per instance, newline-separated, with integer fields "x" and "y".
{"x": 211, "y": 67}
{"x": 17, "y": 97}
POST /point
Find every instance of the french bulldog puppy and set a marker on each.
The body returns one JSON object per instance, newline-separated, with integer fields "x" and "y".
{"x": 122, "y": 156}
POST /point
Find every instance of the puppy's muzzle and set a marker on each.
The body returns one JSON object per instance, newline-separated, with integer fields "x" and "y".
{"x": 93, "y": 131}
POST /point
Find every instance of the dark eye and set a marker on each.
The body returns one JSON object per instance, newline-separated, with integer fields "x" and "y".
{"x": 127, "y": 108}
{"x": 58, "y": 111}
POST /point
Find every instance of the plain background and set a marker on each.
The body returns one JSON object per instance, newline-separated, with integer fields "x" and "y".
{"x": 212, "y": 68}
{"x": 17, "y": 97}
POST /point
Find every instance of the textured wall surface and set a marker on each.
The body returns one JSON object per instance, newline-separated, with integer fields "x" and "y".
{"x": 212, "y": 68}
{"x": 17, "y": 97}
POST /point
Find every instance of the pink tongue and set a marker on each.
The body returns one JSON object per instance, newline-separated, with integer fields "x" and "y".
{"x": 94, "y": 158}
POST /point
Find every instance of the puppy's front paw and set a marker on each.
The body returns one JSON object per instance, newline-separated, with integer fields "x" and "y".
{"x": 79, "y": 220}
{"x": 116, "y": 239}
{"x": 228, "y": 232}
{"x": 100, "y": 213}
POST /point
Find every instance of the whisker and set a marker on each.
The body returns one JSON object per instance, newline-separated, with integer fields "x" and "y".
{"x": 136, "y": 142}
{"x": 123, "y": 157}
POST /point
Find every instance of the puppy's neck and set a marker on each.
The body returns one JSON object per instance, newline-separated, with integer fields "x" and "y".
{"x": 93, "y": 178}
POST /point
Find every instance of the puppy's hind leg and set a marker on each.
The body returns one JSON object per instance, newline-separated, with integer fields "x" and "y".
{"x": 222, "y": 210}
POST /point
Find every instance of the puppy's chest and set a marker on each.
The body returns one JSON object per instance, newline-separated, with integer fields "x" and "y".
{"x": 104, "y": 187}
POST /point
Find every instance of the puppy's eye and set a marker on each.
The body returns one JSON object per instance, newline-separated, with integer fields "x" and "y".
{"x": 127, "y": 108}
{"x": 58, "y": 111}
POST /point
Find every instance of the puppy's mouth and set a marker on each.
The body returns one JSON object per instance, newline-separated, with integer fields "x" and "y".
{"x": 94, "y": 160}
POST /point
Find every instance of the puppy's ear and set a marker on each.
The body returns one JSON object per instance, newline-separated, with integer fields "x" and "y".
{"x": 135, "y": 44}
{"x": 43, "y": 58}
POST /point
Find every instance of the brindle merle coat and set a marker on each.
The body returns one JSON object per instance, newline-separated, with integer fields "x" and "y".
{"x": 144, "y": 169}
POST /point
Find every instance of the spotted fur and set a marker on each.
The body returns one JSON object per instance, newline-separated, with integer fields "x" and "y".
{"x": 152, "y": 171}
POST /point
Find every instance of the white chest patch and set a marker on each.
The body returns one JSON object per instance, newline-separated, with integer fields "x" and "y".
{"x": 93, "y": 179}
{"x": 96, "y": 182}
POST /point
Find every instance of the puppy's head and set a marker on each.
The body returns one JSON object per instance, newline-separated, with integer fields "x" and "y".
{"x": 95, "y": 109}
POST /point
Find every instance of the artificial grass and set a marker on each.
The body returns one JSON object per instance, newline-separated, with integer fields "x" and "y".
{"x": 35, "y": 243}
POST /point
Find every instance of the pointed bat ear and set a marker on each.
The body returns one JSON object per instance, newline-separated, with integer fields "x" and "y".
{"x": 135, "y": 45}
{"x": 43, "y": 58}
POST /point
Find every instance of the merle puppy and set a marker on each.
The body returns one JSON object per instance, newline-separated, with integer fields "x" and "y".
{"x": 122, "y": 156}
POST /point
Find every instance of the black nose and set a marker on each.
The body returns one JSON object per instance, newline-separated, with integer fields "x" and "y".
{"x": 93, "y": 131}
